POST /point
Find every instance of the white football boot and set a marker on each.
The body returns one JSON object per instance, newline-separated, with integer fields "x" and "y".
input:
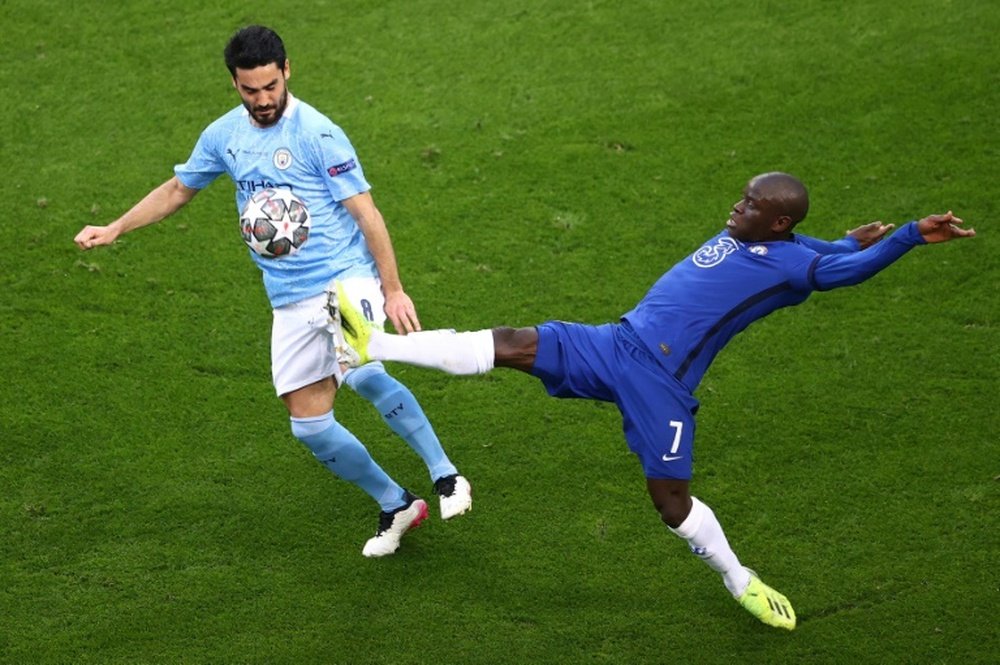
{"x": 455, "y": 494}
{"x": 392, "y": 526}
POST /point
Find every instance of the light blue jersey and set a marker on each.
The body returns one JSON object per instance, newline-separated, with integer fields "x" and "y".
{"x": 308, "y": 154}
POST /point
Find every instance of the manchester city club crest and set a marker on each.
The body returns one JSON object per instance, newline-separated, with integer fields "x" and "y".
{"x": 282, "y": 158}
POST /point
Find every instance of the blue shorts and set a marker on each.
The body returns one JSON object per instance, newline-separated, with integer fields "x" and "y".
{"x": 610, "y": 364}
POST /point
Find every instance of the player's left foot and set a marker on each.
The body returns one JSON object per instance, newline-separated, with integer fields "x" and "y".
{"x": 768, "y": 605}
{"x": 351, "y": 331}
{"x": 455, "y": 494}
{"x": 392, "y": 526}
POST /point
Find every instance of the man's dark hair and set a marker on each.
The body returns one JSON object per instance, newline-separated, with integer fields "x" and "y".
{"x": 787, "y": 193}
{"x": 254, "y": 46}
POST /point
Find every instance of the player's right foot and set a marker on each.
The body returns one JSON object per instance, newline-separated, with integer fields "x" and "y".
{"x": 455, "y": 494}
{"x": 392, "y": 526}
{"x": 351, "y": 331}
{"x": 767, "y": 604}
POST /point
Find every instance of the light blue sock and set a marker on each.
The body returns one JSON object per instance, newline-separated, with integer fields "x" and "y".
{"x": 341, "y": 452}
{"x": 402, "y": 413}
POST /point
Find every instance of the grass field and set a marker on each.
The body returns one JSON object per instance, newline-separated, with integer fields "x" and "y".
{"x": 534, "y": 160}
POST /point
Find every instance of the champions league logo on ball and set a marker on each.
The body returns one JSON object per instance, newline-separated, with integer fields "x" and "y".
{"x": 275, "y": 223}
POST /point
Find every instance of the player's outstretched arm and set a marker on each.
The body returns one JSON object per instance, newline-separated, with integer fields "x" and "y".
{"x": 399, "y": 307}
{"x": 869, "y": 234}
{"x": 162, "y": 202}
{"x": 942, "y": 228}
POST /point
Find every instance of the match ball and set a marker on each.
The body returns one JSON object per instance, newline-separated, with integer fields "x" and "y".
{"x": 275, "y": 223}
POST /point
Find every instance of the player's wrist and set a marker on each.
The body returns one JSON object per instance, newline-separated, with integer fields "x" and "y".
{"x": 393, "y": 290}
{"x": 116, "y": 229}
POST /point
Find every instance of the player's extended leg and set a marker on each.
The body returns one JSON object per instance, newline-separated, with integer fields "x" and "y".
{"x": 340, "y": 451}
{"x": 402, "y": 413}
{"x": 695, "y": 522}
{"x": 359, "y": 342}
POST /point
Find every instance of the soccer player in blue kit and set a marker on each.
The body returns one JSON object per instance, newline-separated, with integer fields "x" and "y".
{"x": 650, "y": 363}
{"x": 276, "y": 140}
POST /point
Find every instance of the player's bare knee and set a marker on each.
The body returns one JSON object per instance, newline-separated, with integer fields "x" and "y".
{"x": 672, "y": 500}
{"x": 673, "y": 514}
{"x": 515, "y": 347}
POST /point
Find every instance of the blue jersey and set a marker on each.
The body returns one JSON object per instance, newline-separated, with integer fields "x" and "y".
{"x": 695, "y": 308}
{"x": 308, "y": 154}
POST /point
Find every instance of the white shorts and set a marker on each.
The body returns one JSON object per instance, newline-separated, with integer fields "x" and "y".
{"x": 302, "y": 349}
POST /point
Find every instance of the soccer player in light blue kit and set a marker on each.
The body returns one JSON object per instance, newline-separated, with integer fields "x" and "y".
{"x": 650, "y": 363}
{"x": 274, "y": 140}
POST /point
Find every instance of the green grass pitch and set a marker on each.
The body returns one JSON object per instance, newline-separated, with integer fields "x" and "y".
{"x": 534, "y": 159}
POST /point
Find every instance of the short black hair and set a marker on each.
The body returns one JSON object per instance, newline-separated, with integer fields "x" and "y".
{"x": 254, "y": 46}
{"x": 788, "y": 193}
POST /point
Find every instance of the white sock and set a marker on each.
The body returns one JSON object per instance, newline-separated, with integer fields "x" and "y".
{"x": 446, "y": 350}
{"x": 703, "y": 533}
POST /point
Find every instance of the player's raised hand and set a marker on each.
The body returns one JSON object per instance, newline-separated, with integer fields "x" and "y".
{"x": 871, "y": 233}
{"x": 942, "y": 228}
{"x": 400, "y": 310}
{"x": 93, "y": 236}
